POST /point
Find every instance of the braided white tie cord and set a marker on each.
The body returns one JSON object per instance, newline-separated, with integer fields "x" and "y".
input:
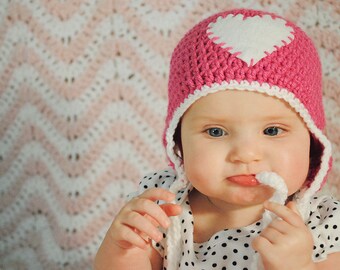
{"x": 280, "y": 196}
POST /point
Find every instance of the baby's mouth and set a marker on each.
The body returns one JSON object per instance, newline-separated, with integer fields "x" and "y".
{"x": 244, "y": 180}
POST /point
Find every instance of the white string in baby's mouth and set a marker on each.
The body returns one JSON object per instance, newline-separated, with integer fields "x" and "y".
{"x": 276, "y": 182}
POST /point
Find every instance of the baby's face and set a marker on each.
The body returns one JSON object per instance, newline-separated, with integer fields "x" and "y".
{"x": 237, "y": 133}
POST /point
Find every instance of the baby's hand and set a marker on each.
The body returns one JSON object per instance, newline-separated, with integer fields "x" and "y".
{"x": 139, "y": 219}
{"x": 287, "y": 243}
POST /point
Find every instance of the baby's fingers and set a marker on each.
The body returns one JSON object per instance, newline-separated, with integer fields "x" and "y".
{"x": 169, "y": 210}
{"x": 145, "y": 207}
{"x": 130, "y": 238}
{"x": 284, "y": 212}
{"x": 139, "y": 220}
{"x": 143, "y": 226}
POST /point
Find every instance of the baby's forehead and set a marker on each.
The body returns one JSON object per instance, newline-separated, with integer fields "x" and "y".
{"x": 233, "y": 99}
{"x": 236, "y": 105}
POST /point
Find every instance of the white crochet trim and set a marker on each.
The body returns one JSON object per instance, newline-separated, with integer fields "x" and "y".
{"x": 304, "y": 196}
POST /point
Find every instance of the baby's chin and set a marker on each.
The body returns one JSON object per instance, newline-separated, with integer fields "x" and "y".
{"x": 254, "y": 196}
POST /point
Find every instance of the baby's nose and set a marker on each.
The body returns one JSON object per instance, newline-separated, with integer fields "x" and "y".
{"x": 245, "y": 150}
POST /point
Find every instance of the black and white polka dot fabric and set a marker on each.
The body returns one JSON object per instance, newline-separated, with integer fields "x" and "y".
{"x": 231, "y": 248}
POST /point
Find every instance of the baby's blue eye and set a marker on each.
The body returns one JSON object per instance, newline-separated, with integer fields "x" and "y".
{"x": 272, "y": 131}
{"x": 216, "y": 132}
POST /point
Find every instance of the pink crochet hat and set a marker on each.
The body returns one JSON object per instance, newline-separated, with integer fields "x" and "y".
{"x": 254, "y": 51}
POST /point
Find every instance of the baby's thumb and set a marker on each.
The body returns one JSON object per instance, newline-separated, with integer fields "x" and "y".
{"x": 292, "y": 206}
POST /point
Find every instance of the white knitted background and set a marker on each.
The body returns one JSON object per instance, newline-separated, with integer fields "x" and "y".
{"x": 82, "y": 104}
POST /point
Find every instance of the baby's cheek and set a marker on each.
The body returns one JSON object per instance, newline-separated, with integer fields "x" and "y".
{"x": 294, "y": 172}
{"x": 196, "y": 167}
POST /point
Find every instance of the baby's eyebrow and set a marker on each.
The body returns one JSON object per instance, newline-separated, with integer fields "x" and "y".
{"x": 210, "y": 118}
{"x": 219, "y": 118}
{"x": 279, "y": 117}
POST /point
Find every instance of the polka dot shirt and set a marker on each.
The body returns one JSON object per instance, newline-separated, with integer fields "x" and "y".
{"x": 231, "y": 248}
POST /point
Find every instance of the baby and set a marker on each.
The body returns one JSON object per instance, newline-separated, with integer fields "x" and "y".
{"x": 244, "y": 129}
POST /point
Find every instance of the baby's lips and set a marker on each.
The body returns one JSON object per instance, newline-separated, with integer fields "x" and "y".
{"x": 244, "y": 180}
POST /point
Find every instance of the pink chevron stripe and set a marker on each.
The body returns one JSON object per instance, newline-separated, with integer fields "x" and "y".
{"x": 62, "y": 51}
{"x": 63, "y": 10}
{"x": 29, "y": 96}
{"x": 333, "y": 131}
{"x": 44, "y": 256}
{"x": 72, "y": 204}
{"x": 330, "y": 40}
{"x": 297, "y": 10}
{"x": 331, "y": 87}
{"x": 83, "y": 82}
{"x": 160, "y": 6}
{"x": 77, "y": 163}
{"x": 161, "y": 44}
{"x": 72, "y": 130}
{"x": 29, "y": 169}
{"x": 334, "y": 180}
{"x": 158, "y": 84}
{"x": 170, "y": 7}
{"x": 116, "y": 133}
{"x": 130, "y": 97}
{"x": 58, "y": 85}
{"x": 63, "y": 88}
{"x": 34, "y": 134}
{"x": 15, "y": 60}
{"x": 64, "y": 235}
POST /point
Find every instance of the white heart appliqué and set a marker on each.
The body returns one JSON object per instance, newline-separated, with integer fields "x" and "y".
{"x": 250, "y": 39}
